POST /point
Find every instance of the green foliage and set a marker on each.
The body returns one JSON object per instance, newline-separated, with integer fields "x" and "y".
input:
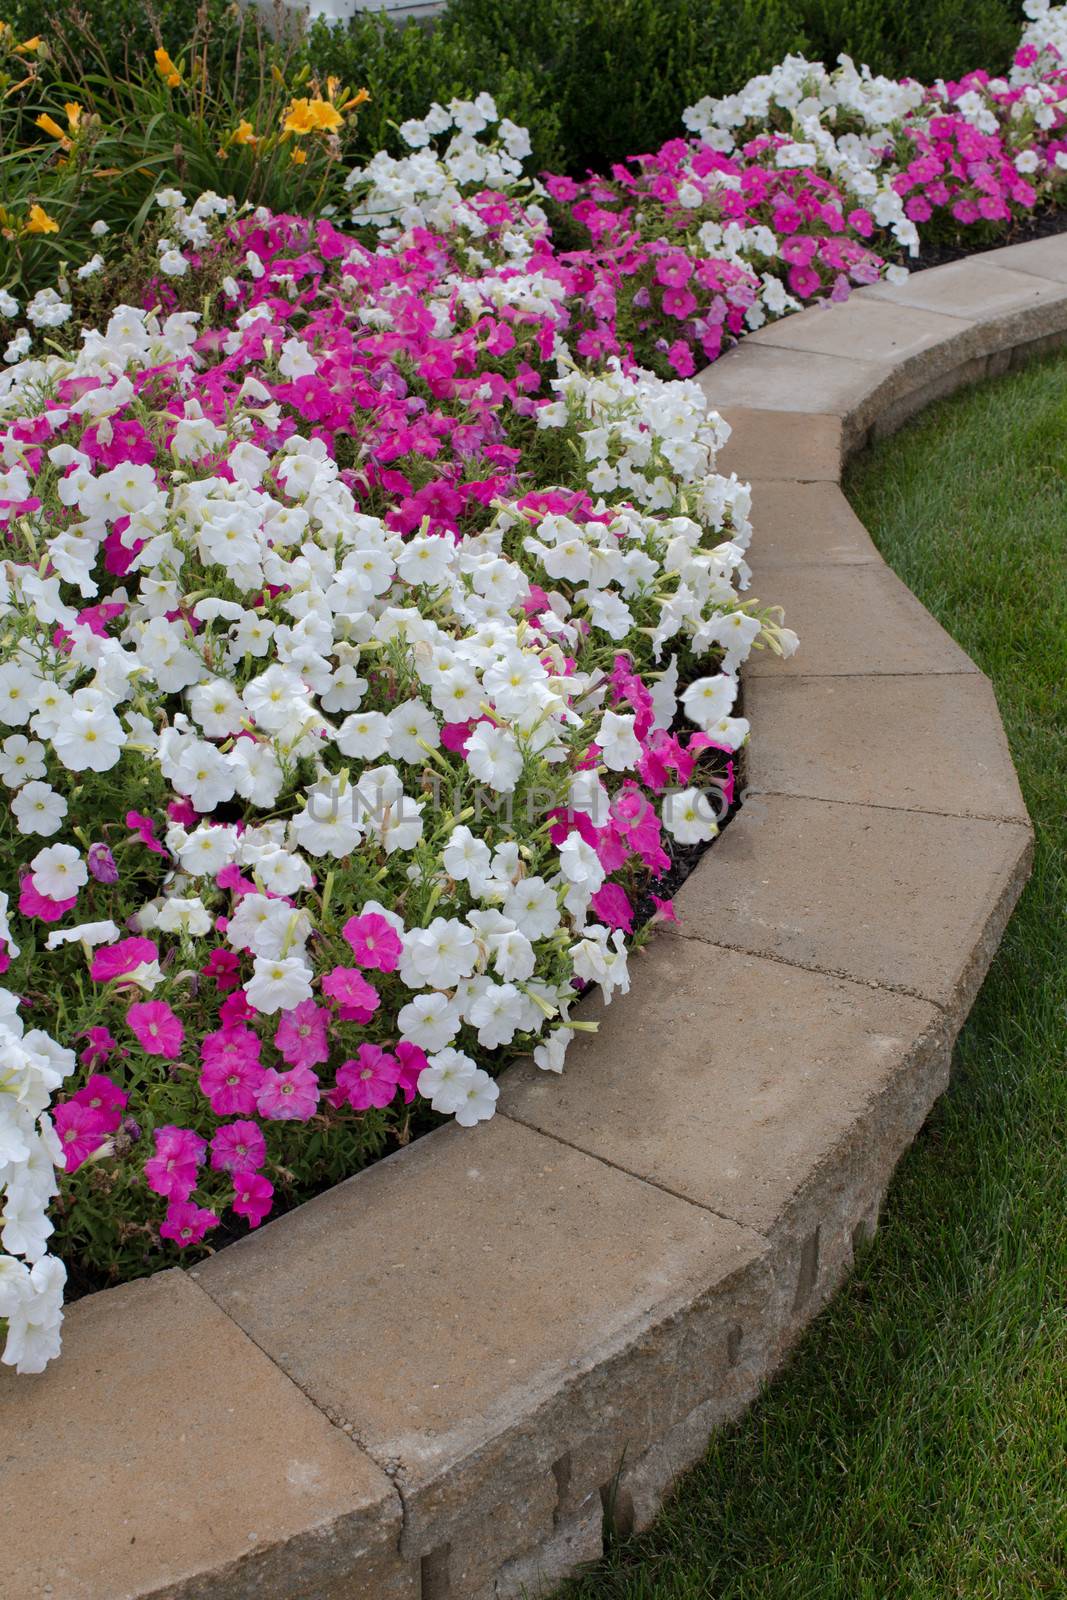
{"x": 620, "y": 72}
{"x": 924, "y": 39}
{"x": 126, "y": 29}
{"x": 406, "y": 66}
{"x": 86, "y": 138}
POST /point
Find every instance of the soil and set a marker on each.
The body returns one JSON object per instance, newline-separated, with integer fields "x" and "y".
{"x": 1042, "y": 225}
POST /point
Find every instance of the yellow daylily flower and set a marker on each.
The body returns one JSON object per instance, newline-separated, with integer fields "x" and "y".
{"x": 305, "y": 116}
{"x": 325, "y": 115}
{"x": 244, "y": 133}
{"x": 167, "y": 70}
{"x": 298, "y": 118}
{"x": 360, "y": 98}
{"x": 51, "y": 126}
{"x": 28, "y": 47}
{"x": 298, "y": 156}
{"x": 38, "y": 221}
{"x": 74, "y": 115}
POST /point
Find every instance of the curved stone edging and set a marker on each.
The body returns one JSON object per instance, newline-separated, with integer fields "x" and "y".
{"x": 435, "y": 1381}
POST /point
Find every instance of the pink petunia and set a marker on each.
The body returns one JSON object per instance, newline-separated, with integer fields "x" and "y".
{"x": 231, "y": 1043}
{"x": 679, "y": 303}
{"x": 231, "y": 1087}
{"x": 100, "y": 1047}
{"x": 680, "y": 357}
{"x": 665, "y": 911}
{"x": 301, "y": 1035}
{"x": 370, "y": 1080}
{"x": 186, "y": 1223}
{"x": 356, "y": 999}
{"x": 81, "y": 1131}
{"x": 288, "y": 1096}
{"x": 34, "y": 904}
{"x": 145, "y": 830}
{"x": 223, "y": 967}
{"x": 238, "y": 1147}
{"x": 159, "y": 1031}
{"x": 611, "y": 905}
{"x": 253, "y": 1196}
{"x": 235, "y": 1008}
{"x": 113, "y": 961}
{"x": 102, "y": 1095}
{"x": 803, "y": 282}
{"x": 375, "y": 942}
{"x": 411, "y": 1061}
{"x": 172, "y": 1171}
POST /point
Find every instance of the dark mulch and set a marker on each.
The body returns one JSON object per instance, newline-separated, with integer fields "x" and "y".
{"x": 1042, "y": 225}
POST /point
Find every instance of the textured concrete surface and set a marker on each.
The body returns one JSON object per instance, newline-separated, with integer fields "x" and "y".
{"x": 851, "y": 620}
{"x": 905, "y": 900}
{"x": 441, "y": 1380}
{"x": 521, "y": 1306}
{"x": 762, "y": 372}
{"x": 862, "y": 333}
{"x": 926, "y": 743}
{"x": 782, "y": 444}
{"x": 171, "y": 1457}
{"x": 801, "y": 523}
{"x": 777, "y": 1069}
{"x": 977, "y": 290}
{"x": 1045, "y": 258}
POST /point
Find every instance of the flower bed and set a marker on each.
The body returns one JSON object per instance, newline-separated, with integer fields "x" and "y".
{"x": 344, "y": 640}
{"x": 364, "y": 655}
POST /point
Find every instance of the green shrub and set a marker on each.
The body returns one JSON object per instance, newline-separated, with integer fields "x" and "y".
{"x": 593, "y": 80}
{"x": 924, "y": 39}
{"x": 406, "y": 65}
{"x": 620, "y": 72}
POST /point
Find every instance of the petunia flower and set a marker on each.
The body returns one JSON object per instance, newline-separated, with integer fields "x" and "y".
{"x": 238, "y": 1147}
{"x": 356, "y": 999}
{"x": 186, "y": 1223}
{"x": 158, "y": 1029}
{"x": 370, "y": 1080}
{"x": 118, "y": 960}
{"x": 253, "y": 1196}
{"x": 172, "y": 1171}
{"x": 288, "y": 1096}
{"x": 301, "y": 1035}
{"x": 375, "y": 942}
{"x": 81, "y": 1131}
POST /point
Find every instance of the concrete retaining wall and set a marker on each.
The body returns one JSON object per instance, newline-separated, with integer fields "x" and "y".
{"x": 438, "y": 1380}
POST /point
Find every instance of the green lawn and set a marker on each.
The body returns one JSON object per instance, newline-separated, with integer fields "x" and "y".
{"x": 916, "y": 1445}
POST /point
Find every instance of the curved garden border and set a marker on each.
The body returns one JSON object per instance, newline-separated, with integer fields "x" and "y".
{"x": 437, "y": 1380}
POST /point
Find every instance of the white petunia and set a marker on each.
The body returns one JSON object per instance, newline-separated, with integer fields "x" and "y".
{"x": 21, "y": 760}
{"x": 619, "y": 745}
{"x": 278, "y": 984}
{"x": 429, "y": 1020}
{"x": 494, "y": 757}
{"x": 689, "y": 817}
{"x": 37, "y": 808}
{"x": 58, "y": 872}
{"x": 446, "y": 1079}
{"x": 707, "y": 699}
{"x": 467, "y": 859}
